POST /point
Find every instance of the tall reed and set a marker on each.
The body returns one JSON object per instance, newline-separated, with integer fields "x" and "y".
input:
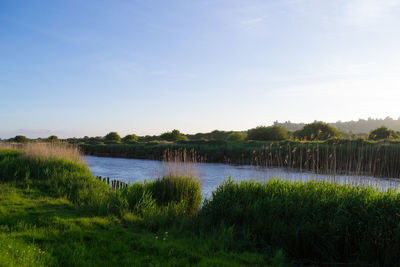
{"x": 180, "y": 163}
{"x": 317, "y": 222}
{"x": 47, "y": 150}
{"x": 357, "y": 157}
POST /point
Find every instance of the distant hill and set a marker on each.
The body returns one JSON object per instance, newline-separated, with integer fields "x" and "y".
{"x": 360, "y": 126}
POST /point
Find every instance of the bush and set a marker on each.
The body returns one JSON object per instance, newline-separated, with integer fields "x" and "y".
{"x": 383, "y": 133}
{"x": 317, "y": 221}
{"x": 174, "y": 135}
{"x": 318, "y": 131}
{"x": 130, "y": 138}
{"x": 53, "y": 138}
{"x": 112, "y": 137}
{"x": 236, "y": 136}
{"x": 271, "y": 133}
{"x": 20, "y": 139}
{"x": 163, "y": 192}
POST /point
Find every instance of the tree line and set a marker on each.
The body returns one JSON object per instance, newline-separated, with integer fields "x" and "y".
{"x": 316, "y": 131}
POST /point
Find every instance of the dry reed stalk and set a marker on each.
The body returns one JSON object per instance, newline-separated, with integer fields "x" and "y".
{"x": 180, "y": 163}
{"x": 57, "y": 150}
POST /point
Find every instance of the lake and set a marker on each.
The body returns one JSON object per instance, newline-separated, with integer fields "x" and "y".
{"x": 212, "y": 174}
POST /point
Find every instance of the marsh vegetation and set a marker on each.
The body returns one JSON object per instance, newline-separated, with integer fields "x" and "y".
{"x": 63, "y": 209}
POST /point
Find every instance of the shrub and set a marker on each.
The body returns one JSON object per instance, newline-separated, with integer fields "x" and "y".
{"x": 163, "y": 192}
{"x": 112, "y": 137}
{"x": 53, "y": 138}
{"x": 130, "y": 138}
{"x": 174, "y": 135}
{"x": 318, "y": 131}
{"x": 176, "y": 189}
{"x": 20, "y": 139}
{"x": 236, "y": 136}
{"x": 271, "y": 133}
{"x": 383, "y": 133}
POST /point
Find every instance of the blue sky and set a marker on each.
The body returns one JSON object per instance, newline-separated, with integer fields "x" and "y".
{"x": 85, "y": 67}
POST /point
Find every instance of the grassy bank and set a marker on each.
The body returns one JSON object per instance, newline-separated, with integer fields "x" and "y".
{"x": 76, "y": 220}
{"x": 54, "y": 213}
{"x": 39, "y": 230}
{"x": 359, "y": 157}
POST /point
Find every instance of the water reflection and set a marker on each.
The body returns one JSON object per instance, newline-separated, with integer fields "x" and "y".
{"x": 212, "y": 174}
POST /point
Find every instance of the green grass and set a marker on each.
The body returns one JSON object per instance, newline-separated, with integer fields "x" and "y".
{"x": 53, "y": 212}
{"x": 58, "y": 177}
{"x": 39, "y": 230}
{"x": 312, "y": 222}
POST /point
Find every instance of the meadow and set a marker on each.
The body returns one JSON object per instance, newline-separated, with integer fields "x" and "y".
{"x": 53, "y": 212}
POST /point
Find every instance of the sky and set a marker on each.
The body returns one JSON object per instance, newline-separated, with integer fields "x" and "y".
{"x": 88, "y": 67}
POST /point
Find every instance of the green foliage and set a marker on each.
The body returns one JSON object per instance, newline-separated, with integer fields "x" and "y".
{"x": 271, "y": 133}
{"x": 317, "y": 131}
{"x": 53, "y": 138}
{"x": 20, "y": 139}
{"x": 236, "y": 136}
{"x": 145, "y": 197}
{"x": 59, "y": 177}
{"x": 383, "y": 133}
{"x": 215, "y": 135}
{"x": 320, "y": 222}
{"x": 130, "y": 138}
{"x": 112, "y": 137}
{"x": 362, "y": 126}
{"x": 174, "y": 135}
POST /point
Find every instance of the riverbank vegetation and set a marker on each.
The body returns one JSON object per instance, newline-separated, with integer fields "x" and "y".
{"x": 357, "y": 157}
{"x": 318, "y": 147}
{"x": 54, "y": 213}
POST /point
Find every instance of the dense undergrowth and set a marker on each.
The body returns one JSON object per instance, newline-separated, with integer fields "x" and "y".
{"x": 314, "y": 222}
{"x": 336, "y": 156}
{"x": 57, "y": 206}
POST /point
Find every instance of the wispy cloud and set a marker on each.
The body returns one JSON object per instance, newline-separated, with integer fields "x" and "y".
{"x": 251, "y": 21}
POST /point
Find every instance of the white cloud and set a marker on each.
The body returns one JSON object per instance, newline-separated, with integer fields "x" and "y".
{"x": 252, "y": 21}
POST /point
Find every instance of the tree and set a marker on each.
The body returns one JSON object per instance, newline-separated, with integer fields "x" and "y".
{"x": 174, "y": 135}
{"x": 130, "y": 138}
{"x": 383, "y": 133}
{"x": 112, "y": 137}
{"x": 318, "y": 131}
{"x": 53, "y": 138}
{"x": 20, "y": 139}
{"x": 271, "y": 133}
{"x": 236, "y": 136}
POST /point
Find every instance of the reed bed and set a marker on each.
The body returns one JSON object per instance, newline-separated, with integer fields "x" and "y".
{"x": 47, "y": 150}
{"x": 180, "y": 163}
{"x": 315, "y": 222}
{"x": 334, "y": 157}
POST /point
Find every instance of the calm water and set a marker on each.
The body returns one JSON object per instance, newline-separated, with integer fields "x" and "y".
{"x": 212, "y": 174}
